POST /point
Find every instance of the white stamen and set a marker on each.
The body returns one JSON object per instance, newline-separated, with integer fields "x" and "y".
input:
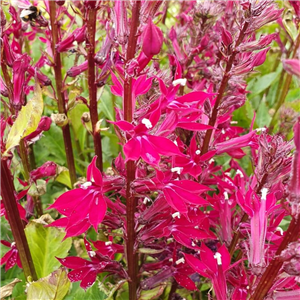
{"x": 171, "y": 259}
{"x": 223, "y": 131}
{"x": 147, "y": 123}
{"x": 260, "y": 129}
{"x": 211, "y": 161}
{"x": 177, "y": 214}
{"x": 233, "y": 122}
{"x": 175, "y": 142}
{"x": 280, "y": 229}
{"x": 218, "y": 256}
{"x": 92, "y": 253}
{"x": 146, "y": 200}
{"x": 198, "y": 152}
{"x": 176, "y": 170}
{"x": 181, "y": 81}
{"x": 227, "y": 174}
{"x": 86, "y": 185}
{"x": 226, "y": 195}
{"x": 239, "y": 172}
{"x": 196, "y": 227}
{"x": 264, "y": 193}
{"x": 12, "y": 244}
{"x": 170, "y": 240}
{"x": 193, "y": 244}
{"x": 108, "y": 243}
{"x": 179, "y": 261}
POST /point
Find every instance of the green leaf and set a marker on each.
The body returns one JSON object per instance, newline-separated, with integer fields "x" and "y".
{"x": 27, "y": 120}
{"x": 93, "y": 293}
{"x": 263, "y": 82}
{"x": 263, "y": 117}
{"x": 152, "y": 294}
{"x": 53, "y": 287}
{"x": 50, "y": 147}
{"x": 293, "y": 95}
{"x": 64, "y": 178}
{"x": 106, "y": 105}
{"x": 45, "y": 244}
{"x": 75, "y": 117}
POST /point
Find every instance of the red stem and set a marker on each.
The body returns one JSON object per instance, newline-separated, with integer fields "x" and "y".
{"x": 15, "y": 222}
{"x": 132, "y": 257}
{"x": 90, "y": 45}
{"x": 223, "y": 86}
{"x": 60, "y": 95}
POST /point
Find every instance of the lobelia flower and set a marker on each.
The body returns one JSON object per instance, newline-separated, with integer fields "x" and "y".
{"x": 48, "y": 169}
{"x": 83, "y": 207}
{"x": 178, "y": 193}
{"x": 86, "y": 270}
{"x": 120, "y": 21}
{"x": 213, "y": 266}
{"x": 258, "y": 211}
{"x": 144, "y": 145}
{"x": 77, "y": 35}
{"x": 11, "y": 257}
{"x": 44, "y": 125}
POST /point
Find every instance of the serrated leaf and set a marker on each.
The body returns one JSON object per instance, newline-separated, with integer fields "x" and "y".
{"x": 27, "y": 120}
{"x": 45, "y": 244}
{"x": 53, "y": 287}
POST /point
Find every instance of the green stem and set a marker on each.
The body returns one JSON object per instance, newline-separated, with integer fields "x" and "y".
{"x": 60, "y": 94}
{"x": 15, "y": 222}
{"x": 90, "y": 45}
{"x": 131, "y": 201}
{"x": 221, "y": 91}
{"x": 269, "y": 276}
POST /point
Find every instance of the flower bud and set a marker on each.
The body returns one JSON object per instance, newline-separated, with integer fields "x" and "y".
{"x": 152, "y": 39}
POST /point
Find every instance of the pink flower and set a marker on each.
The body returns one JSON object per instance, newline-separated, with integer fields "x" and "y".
{"x": 84, "y": 206}
{"x": 11, "y": 257}
{"x": 86, "y": 270}
{"x": 292, "y": 66}
{"x": 213, "y": 266}
{"x": 178, "y": 193}
{"x": 144, "y": 145}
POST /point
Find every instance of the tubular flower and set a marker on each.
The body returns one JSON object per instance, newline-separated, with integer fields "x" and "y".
{"x": 213, "y": 266}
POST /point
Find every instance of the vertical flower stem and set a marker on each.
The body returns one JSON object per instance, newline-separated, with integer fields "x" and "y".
{"x": 131, "y": 202}
{"x": 222, "y": 88}
{"x": 15, "y": 222}
{"x": 269, "y": 276}
{"x": 60, "y": 94}
{"x": 90, "y": 44}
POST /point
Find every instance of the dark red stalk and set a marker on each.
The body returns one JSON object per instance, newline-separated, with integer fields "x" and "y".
{"x": 60, "y": 95}
{"x": 90, "y": 45}
{"x": 132, "y": 257}
{"x": 8, "y": 85}
{"x": 15, "y": 222}
{"x": 269, "y": 276}
{"x": 222, "y": 88}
